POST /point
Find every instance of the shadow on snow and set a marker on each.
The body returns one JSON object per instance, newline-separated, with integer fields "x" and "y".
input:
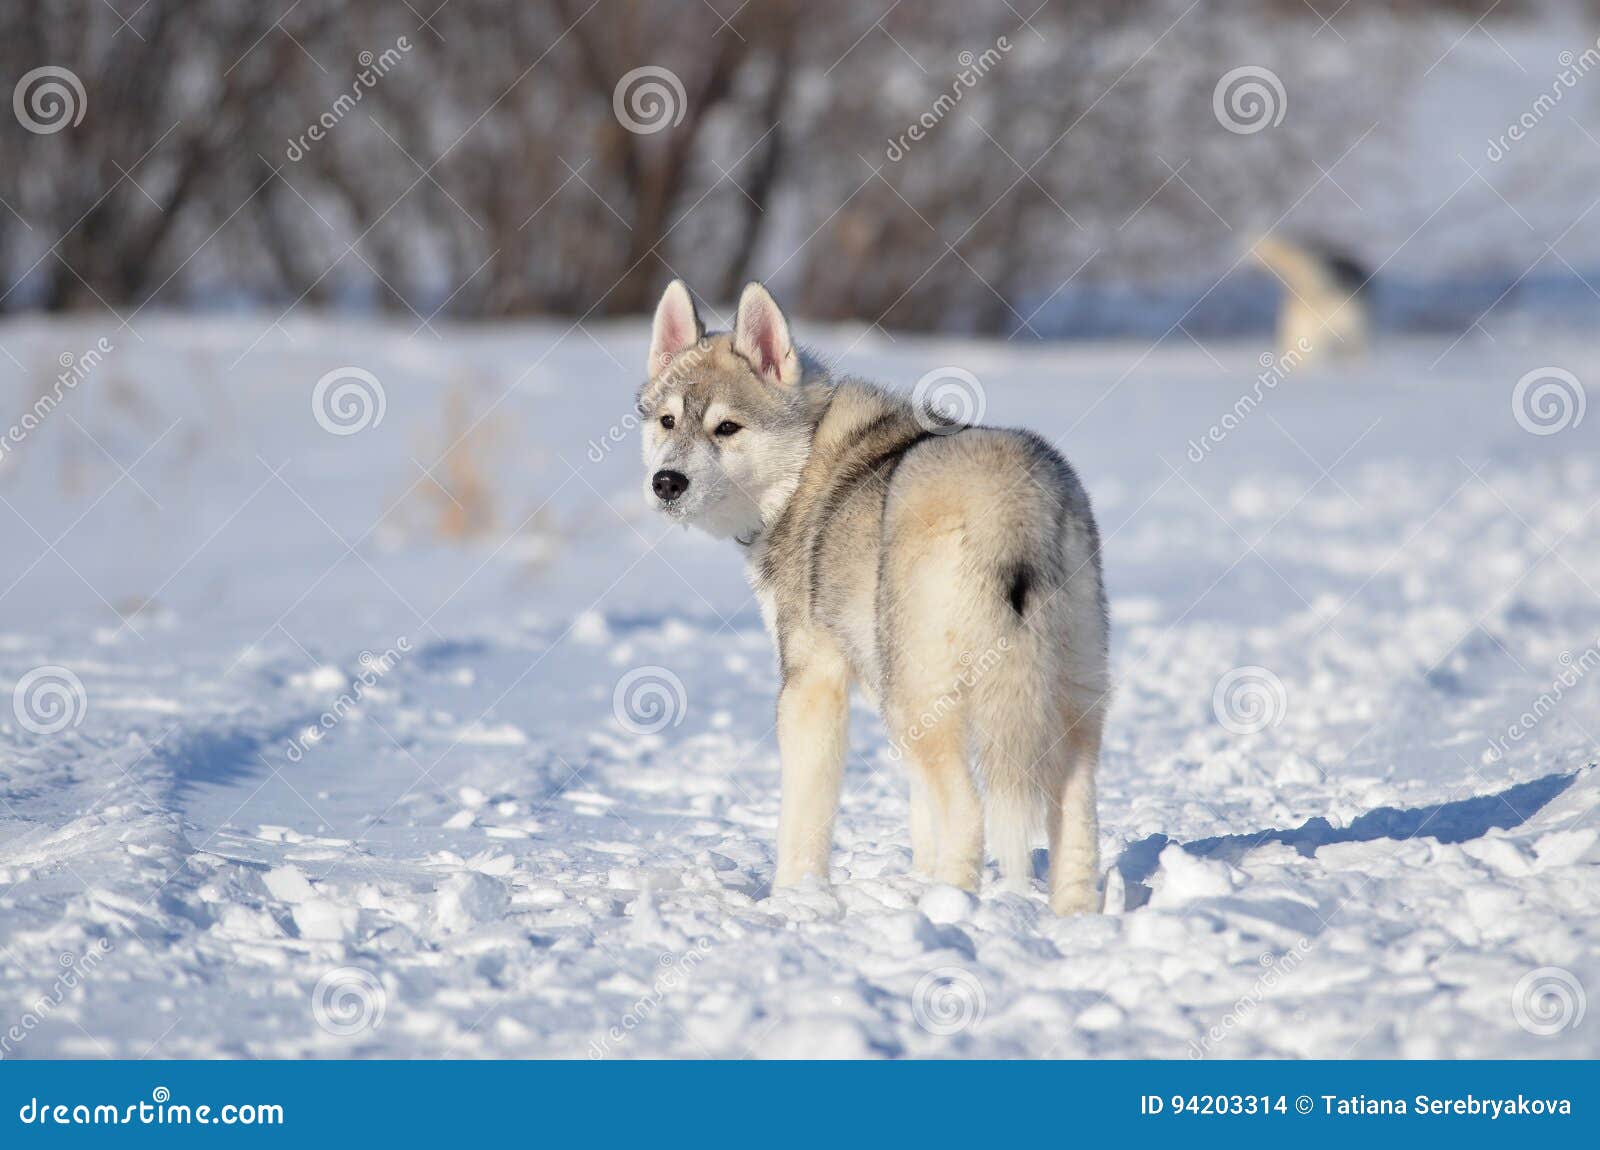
{"x": 1451, "y": 822}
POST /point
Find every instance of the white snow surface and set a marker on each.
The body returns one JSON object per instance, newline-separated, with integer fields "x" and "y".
{"x": 483, "y": 856}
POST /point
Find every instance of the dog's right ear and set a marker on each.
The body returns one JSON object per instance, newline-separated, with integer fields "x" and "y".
{"x": 676, "y": 329}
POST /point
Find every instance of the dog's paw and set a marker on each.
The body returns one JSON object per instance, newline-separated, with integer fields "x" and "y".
{"x": 808, "y": 900}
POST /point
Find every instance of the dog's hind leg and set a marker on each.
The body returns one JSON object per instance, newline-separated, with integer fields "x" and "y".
{"x": 939, "y": 758}
{"x": 1074, "y": 826}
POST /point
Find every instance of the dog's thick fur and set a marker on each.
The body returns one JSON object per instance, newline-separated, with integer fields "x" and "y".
{"x": 953, "y": 573}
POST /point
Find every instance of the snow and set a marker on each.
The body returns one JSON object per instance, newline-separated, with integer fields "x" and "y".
{"x": 1348, "y": 799}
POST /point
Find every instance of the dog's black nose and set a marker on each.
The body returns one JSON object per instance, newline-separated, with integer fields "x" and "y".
{"x": 668, "y": 485}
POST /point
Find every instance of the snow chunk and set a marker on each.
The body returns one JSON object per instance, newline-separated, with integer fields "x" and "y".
{"x": 1183, "y": 877}
{"x": 288, "y": 884}
{"x": 322, "y": 919}
{"x": 946, "y": 904}
{"x": 467, "y": 900}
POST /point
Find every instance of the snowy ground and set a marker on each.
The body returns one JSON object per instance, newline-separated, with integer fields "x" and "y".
{"x": 481, "y": 858}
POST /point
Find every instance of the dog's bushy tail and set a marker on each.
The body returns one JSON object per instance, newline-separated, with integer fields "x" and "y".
{"x": 1016, "y": 680}
{"x": 1046, "y": 609}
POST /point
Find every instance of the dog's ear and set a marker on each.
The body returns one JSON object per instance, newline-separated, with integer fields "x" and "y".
{"x": 676, "y": 329}
{"x": 761, "y": 335}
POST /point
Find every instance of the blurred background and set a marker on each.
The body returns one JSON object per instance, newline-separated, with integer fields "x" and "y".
{"x": 1010, "y": 168}
{"x": 321, "y": 325}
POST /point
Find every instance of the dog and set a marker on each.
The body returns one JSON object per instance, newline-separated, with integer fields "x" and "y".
{"x": 951, "y": 572}
{"x": 1323, "y": 309}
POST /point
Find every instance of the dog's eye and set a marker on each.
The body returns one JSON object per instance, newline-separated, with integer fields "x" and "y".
{"x": 727, "y": 427}
{"x": 668, "y": 422}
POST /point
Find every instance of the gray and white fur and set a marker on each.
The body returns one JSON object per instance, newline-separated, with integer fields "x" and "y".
{"x": 952, "y": 573}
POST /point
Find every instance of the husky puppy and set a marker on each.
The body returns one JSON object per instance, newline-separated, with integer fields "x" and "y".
{"x": 951, "y": 572}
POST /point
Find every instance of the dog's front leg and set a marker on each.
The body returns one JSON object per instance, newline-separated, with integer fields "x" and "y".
{"x": 813, "y": 739}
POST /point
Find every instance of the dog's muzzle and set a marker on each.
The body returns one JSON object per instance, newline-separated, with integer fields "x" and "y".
{"x": 668, "y": 485}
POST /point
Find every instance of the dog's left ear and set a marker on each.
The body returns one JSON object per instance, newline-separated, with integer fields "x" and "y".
{"x": 761, "y": 335}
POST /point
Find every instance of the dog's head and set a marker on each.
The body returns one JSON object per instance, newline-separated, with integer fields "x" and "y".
{"x": 725, "y": 427}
